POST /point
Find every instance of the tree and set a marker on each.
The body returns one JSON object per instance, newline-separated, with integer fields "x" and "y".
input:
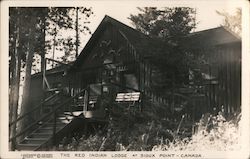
{"x": 170, "y": 25}
{"x": 14, "y": 68}
{"x": 30, "y": 20}
{"x": 232, "y": 22}
{"x": 22, "y": 42}
{"x": 85, "y": 13}
{"x": 165, "y": 23}
{"x": 68, "y": 19}
{"x": 29, "y": 28}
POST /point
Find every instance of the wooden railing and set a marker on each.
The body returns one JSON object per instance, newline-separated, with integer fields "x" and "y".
{"x": 38, "y": 107}
{"x": 44, "y": 118}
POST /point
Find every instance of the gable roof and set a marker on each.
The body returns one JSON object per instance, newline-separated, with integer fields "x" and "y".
{"x": 211, "y": 37}
{"x": 143, "y": 44}
{"x": 147, "y": 46}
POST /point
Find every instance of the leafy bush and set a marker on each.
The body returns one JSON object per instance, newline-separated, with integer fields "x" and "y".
{"x": 213, "y": 133}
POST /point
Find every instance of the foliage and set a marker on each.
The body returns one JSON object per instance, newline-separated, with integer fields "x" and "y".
{"x": 29, "y": 29}
{"x": 232, "y": 21}
{"x": 50, "y": 22}
{"x": 65, "y": 19}
{"x": 139, "y": 136}
{"x": 213, "y": 132}
{"x": 165, "y": 23}
{"x": 24, "y": 17}
{"x": 169, "y": 25}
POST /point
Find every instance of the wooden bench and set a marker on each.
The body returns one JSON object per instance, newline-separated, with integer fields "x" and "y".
{"x": 128, "y": 100}
{"x": 128, "y": 97}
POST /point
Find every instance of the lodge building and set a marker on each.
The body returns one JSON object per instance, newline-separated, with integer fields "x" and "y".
{"x": 115, "y": 71}
{"x": 117, "y": 59}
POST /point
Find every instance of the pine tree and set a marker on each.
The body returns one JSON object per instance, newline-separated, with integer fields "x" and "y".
{"x": 170, "y": 25}
{"x": 30, "y": 22}
{"x": 29, "y": 28}
{"x": 14, "y": 69}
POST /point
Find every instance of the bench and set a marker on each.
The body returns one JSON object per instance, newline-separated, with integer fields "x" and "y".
{"x": 129, "y": 99}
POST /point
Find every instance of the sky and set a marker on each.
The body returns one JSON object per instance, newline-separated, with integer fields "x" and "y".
{"x": 120, "y": 10}
{"x": 206, "y": 12}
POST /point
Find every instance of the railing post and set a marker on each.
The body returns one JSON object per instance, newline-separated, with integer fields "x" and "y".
{"x": 54, "y": 128}
{"x": 142, "y": 101}
{"x": 44, "y": 85}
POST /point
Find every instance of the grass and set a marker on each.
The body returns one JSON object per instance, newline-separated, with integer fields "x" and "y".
{"x": 212, "y": 132}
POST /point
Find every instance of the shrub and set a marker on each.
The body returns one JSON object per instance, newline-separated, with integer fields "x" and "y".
{"x": 213, "y": 133}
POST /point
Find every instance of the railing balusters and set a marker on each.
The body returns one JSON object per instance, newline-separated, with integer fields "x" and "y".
{"x": 54, "y": 127}
{"x": 43, "y": 117}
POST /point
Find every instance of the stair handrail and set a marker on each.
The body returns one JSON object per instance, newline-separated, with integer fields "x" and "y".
{"x": 45, "y": 116}
{"x": 34, "y": 109}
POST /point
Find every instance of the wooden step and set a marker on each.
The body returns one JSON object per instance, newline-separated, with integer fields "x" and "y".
{"x": 77, "y": 107}
{"x": 52, "y": 126}
{"x": 40, "y": 135}
{"x": 58, "y": 124}
{"x": 65, "y": 117}
{"x": 47, "y": 130}
{"x": 34, "y": 140}
{"x": 67, "y": 113}
{"x": 74, "y": 113}
{"x": 27, "y": 147}
{"x": 61, "y": 120}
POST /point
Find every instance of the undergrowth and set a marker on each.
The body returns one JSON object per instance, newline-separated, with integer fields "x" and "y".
{"x": 212, "y": 132}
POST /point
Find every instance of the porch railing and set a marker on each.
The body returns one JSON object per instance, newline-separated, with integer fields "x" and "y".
{"x": 52, "y": 115}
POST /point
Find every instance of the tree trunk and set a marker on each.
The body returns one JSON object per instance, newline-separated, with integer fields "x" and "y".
{"x": 54, "y": 46}
{"x": 27, "y": 77}
{"x": 77, "y": 34}
{"x": 42, "y": 53}
{"x": 14, "y": 88}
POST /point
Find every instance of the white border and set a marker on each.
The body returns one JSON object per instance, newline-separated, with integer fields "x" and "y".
{"x": 4, "y": 153}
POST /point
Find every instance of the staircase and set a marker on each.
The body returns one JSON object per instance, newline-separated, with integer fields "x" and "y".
{"x": 44, "y": 133}
{"x": 41, "y": 133}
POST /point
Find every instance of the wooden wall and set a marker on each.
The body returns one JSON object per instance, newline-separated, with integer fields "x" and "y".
{"x": 226, "y": 90}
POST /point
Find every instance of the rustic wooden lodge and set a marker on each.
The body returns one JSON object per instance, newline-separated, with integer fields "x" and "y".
{"x": 115, "y": 68}
{"x": 119, "y": 55}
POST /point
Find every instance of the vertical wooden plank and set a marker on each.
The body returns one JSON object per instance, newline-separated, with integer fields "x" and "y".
{"x": 127, "y": 52}
{"x": 147, "y": 73}
{"x": 150, "y": 75}
{"x": 236, "y": 86}
{"x": 227, "y": 79}
{"x": 239, "y": 68}
{"x": 235, "y": 79}
{"x": 231, "y": 81}
{"x": 220, "y": 100}
{"x": 221, "y": 74}
{"x": 144, "y": 74}
{"x": 223, "y": 77}
{"x": 140, "y": 73}
{"x": 209, "y": 83}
